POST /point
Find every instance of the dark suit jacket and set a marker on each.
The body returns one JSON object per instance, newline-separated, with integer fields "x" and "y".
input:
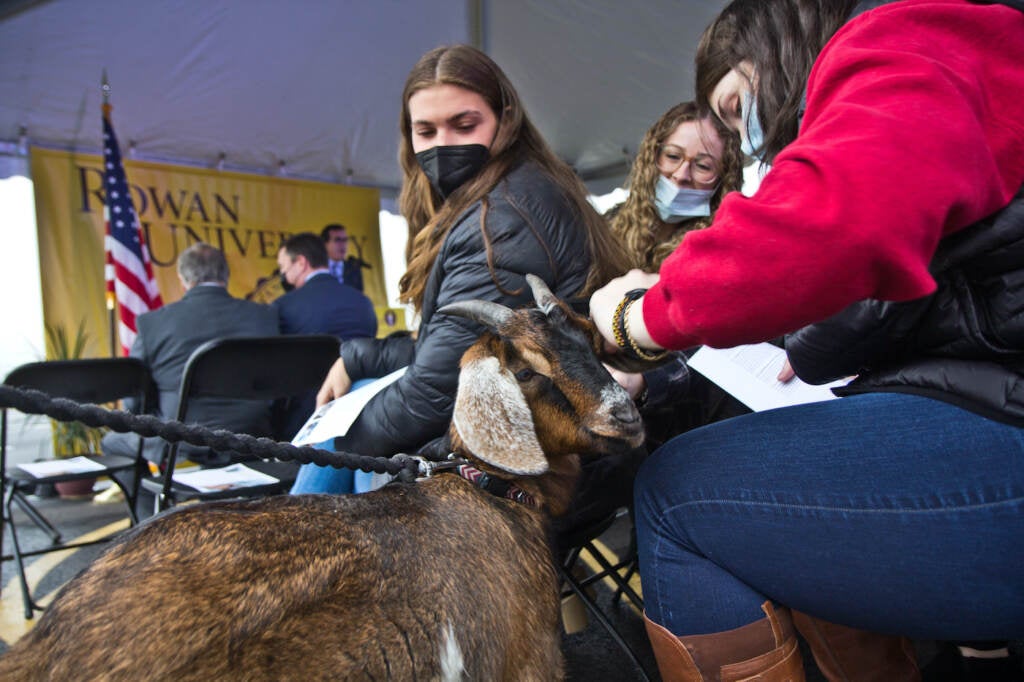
{"x": 168, "y": 335}
{"x": 352, "y": 273}
{"x": 322, "y": 305}
{"x": 325, "y": 306}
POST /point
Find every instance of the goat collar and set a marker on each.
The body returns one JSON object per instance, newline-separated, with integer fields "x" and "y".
{"x": 494, "y": 486}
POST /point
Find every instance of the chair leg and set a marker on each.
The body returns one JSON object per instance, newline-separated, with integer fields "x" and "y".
{"x": 36, "y": 517}
{"x": 631, "y": 561}
{"x": 612, "y": 572}
{"x": 630, "y": 572}
{"x": 603, "y": 620}
{"x": 129, "y": 498}
{"x": 26, "y": 595}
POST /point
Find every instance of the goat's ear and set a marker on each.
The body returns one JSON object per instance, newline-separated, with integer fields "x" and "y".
{"x": 493, "y": 420}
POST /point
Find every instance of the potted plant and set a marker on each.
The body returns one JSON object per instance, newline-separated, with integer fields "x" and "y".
{"x": 72, "y": 438}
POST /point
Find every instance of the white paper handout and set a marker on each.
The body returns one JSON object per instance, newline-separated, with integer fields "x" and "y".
{"x": 58, "y": 467}
{"x": 334, "y": 418}
{"x": 749, "y": 374}
{"x": 223, "y": 478}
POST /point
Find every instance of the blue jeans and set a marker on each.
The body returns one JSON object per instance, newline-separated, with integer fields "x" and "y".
{"x": 313, "y": 478}
{"x": 888, "y": 512}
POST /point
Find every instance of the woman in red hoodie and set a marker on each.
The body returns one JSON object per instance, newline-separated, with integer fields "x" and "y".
{"x": 888, "y": 242}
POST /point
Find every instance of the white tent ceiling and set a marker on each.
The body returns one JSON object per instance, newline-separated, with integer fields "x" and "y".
{"x": 316, "y": 84}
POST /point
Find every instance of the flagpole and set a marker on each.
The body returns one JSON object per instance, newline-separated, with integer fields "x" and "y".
{"x": 109, "y": 295}
{"x": 131, "y": 286}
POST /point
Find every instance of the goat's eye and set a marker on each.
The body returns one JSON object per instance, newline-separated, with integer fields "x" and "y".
{"x": 525, "y": 374}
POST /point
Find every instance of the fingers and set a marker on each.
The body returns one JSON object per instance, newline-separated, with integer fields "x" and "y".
{"x": 786, "y": 373}
{"x": 335, "y": 385}
{"x": 324, "y": 395}
{"x": 604, "y": 301}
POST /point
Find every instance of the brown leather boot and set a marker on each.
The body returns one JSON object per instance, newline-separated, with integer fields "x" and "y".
{"x": 764, "y": 651}
{"x": 844, "y": 654}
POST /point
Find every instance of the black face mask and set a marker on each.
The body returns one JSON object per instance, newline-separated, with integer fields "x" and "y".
{"x": 284, "y": 284}
{"x": 448, "y": 168}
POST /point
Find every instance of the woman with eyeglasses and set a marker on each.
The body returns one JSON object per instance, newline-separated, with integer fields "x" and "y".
{"x": 685, "y": 164}
{"x": 888, "y": 237}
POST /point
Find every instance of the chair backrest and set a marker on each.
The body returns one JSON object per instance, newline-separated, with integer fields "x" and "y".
{"x": 93, "y": 380}
{"x": 257, "y": 367}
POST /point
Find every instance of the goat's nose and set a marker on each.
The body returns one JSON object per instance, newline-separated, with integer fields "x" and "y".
{"x": 626, "y": 413}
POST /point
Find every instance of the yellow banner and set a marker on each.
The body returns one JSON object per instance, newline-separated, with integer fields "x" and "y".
{"x": 246, "y": 216}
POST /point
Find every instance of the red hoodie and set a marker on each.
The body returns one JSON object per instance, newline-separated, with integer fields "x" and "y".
{"x": 914, "y": 129}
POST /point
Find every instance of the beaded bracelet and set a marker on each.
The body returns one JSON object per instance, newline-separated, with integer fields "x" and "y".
{"x": 618, "y": 319}
{"x": 620, "y": 328}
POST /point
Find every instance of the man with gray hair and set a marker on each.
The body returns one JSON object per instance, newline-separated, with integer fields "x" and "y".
{"x": 168, "y": 335}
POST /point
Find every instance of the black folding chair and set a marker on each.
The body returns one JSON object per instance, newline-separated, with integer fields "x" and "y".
{"x": 245, "y": 368}
{"x": 99, "y": 381}
{"x": 604, "y": 494}
{"x": 580, "y": 539}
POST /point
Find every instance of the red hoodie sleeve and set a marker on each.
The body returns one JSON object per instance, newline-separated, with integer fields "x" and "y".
{"x": 914, "y": 129}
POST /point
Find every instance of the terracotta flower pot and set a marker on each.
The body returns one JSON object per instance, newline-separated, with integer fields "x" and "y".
{"x": 75, "y": 489}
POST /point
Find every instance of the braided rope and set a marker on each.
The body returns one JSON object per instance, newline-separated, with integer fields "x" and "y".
{"x": 31, "y": 401}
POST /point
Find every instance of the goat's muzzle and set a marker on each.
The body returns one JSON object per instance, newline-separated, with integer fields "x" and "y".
{"x": 618, "y": 421}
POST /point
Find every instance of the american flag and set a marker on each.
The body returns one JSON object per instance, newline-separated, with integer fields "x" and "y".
{"x": 129, "y": 272}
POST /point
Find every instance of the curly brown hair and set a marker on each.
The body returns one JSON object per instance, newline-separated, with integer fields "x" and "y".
{"x": 516, "y": 140}
{"x": 647, "y": 238}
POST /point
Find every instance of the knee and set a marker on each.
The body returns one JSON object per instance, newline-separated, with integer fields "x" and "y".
{"x": 652, "y": 481}
{"x": 660, "y": 471}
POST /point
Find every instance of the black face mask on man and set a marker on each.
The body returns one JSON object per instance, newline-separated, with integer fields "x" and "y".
{"x": 284, "y": 283}
{"x": 449, "y": 167}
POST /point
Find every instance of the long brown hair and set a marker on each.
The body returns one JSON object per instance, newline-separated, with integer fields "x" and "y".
{"x": 636, "y": 223}
{"x": 516, "y": 140}
{"x": 782, "y": 38}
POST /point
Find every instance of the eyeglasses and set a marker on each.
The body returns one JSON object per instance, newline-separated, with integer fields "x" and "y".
{"x": 703, "y": 168}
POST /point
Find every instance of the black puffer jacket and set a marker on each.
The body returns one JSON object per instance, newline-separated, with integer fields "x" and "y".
{"x": 532, "y": 229}
{"x": 963, "y": 344}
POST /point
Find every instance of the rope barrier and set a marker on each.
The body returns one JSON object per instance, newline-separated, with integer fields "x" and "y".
{"x": 31, "y": 401}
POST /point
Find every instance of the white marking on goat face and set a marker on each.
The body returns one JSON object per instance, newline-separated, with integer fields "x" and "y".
{"x": 614, "y": 399}
{"x": 613, "y": 395}
{"x": 450, "y": 654}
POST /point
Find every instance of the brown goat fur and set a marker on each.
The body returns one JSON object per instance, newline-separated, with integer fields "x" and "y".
{"x": 433, "y": 580}
{"x": 277, "y": 589}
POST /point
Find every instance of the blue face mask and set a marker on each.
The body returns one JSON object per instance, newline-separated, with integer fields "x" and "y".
{"x": 676, "y": 204}
{"x": 754, "y": 139}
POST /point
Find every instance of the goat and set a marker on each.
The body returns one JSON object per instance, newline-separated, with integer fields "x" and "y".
{"x": 438, "y": 579}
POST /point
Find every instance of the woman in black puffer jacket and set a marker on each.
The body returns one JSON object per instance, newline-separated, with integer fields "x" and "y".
{"x": 487, "y": 202}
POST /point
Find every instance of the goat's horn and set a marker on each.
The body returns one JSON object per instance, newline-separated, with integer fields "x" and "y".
{"x": 542, "y": 296}
{"x": 488, "y": 313}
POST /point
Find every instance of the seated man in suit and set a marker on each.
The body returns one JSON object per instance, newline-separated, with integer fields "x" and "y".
{"x": 346, "y": 269}
{"x": 318, "y": 303}
{"x": 168, "y": 335}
